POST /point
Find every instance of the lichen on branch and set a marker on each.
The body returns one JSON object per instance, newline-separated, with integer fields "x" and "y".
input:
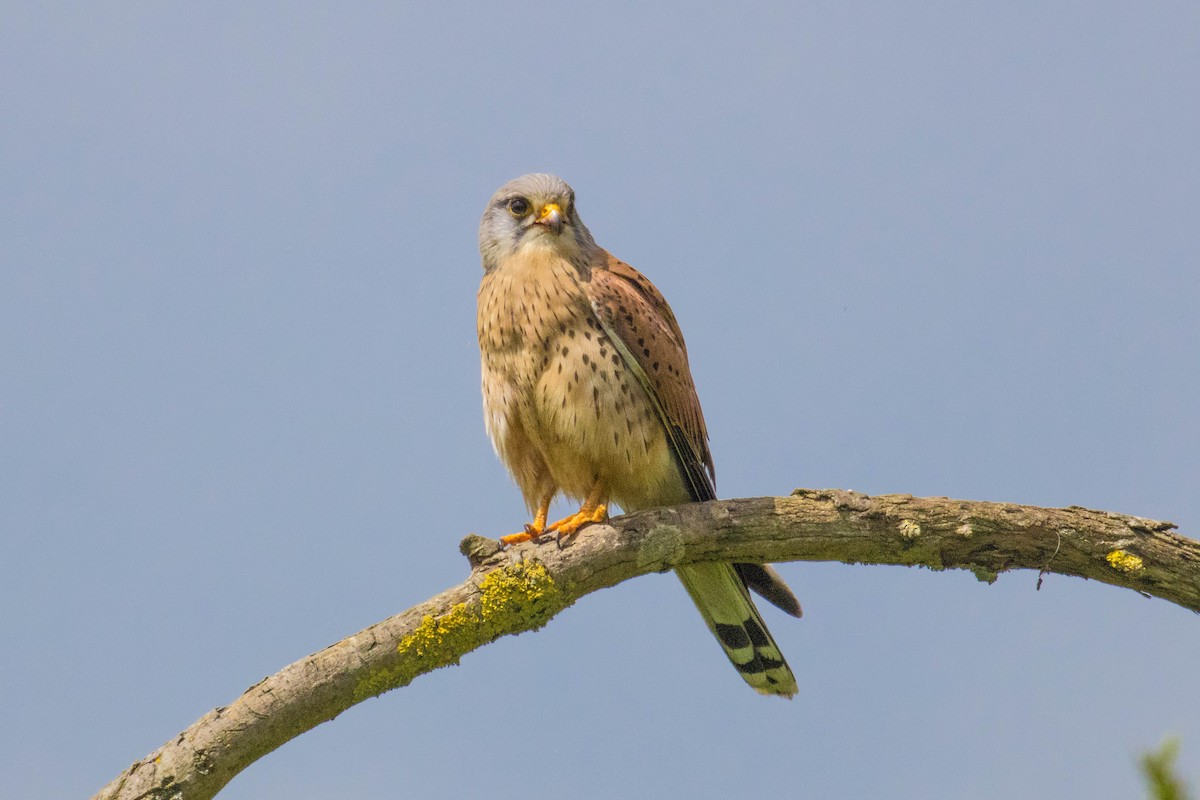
{"x": 511, "y": 599}
{"x": 521, "y": 589}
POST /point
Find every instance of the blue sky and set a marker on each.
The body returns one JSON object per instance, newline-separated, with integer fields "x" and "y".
{"x": 937, "y": 249}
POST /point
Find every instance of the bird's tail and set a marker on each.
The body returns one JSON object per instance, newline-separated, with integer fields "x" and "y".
{"x": 723, "y": 600}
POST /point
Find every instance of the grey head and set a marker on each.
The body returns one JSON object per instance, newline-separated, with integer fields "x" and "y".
{"x": 533, "y": 212}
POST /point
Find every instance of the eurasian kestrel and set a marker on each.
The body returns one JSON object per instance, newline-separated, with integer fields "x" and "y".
{"x": 587, "y": 392}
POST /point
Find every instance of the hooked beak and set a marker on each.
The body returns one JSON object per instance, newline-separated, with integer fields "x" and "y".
{"x": 552, "y": 217}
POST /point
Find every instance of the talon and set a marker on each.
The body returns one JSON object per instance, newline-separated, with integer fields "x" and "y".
{"x": 591, "y": 511}
{"x": 531, "y": 533}
{"x": 533, "y": 530}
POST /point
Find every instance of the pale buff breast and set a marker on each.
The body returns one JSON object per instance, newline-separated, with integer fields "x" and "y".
{"x": 559, "y": 404}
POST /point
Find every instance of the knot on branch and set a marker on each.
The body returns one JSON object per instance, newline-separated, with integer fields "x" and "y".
{"x": 478, "y": 549}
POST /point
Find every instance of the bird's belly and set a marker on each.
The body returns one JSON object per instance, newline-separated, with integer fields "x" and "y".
{"x": 596, "y": 423}
{"x": 559, "y": 400}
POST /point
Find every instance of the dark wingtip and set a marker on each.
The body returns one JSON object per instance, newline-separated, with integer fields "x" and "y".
{"x": 768, "y": 584}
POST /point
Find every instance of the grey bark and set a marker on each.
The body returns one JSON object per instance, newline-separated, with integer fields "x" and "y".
{"x": 511, "y": 591}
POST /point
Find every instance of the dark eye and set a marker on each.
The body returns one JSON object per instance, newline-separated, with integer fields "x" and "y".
{"x": 518, "y": 206}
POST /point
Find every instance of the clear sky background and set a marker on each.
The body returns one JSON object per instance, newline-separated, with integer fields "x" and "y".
{"x": 937, "y": 248}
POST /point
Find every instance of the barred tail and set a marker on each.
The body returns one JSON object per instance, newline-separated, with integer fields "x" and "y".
{"x": 723, "y": 600}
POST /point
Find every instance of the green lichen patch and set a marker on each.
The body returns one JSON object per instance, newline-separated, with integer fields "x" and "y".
{"x": 512, "y": 599}
{"x": 984, "y": 574}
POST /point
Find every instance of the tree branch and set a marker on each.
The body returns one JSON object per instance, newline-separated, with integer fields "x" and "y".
{"x": 521, "y": 589}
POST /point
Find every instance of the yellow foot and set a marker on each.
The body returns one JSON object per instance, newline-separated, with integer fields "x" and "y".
{"x": 568, "y": 526}
{"x": 531, "y": 532}
{"x": 534, "y": 529}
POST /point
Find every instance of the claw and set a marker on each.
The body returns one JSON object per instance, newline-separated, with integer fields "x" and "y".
{"x": 591, "y": 511}
{"x": 532, "y": 531}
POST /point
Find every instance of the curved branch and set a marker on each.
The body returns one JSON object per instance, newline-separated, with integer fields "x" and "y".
{"x": 521, "y": 589}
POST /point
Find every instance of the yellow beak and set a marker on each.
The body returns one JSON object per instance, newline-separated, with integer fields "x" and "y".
{"x": 552, "y": 217}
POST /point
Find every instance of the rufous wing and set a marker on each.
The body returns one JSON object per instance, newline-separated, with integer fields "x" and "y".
{"x": 637, "y": 318}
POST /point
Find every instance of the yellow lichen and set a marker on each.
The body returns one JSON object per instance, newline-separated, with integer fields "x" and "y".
{"x": 512, "y": 599}
{"x": 429, "y": 636}
{"x": 523, "y": 589}
{"x": 1125, "y": 562}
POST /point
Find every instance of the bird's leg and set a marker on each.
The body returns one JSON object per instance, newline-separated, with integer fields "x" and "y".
{"x": 533, "y": 529}
{"x": 592, "y": 510}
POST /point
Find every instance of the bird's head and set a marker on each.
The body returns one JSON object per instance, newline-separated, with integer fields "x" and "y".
{"x": 534, "y": 212}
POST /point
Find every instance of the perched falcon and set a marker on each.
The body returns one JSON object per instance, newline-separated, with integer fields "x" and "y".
{"x": 587, "y": 392}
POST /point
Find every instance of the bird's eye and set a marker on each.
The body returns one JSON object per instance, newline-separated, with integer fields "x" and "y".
{"x": 518, "y": 206}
